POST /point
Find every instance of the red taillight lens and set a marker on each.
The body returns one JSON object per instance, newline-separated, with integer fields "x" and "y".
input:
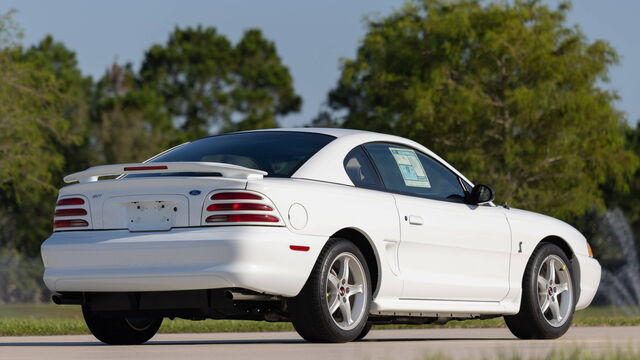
{"x": 241, "y": 218}
{"x": 71, "y": 212}
{"x": 238, "y": 207}
{"x": 236, "y": 203}
{"x": 235, "y": 196}
{"x": 70, "y": 201}
{"x": 69, "y": 223}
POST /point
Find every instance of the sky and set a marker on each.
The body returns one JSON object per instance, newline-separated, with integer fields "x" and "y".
{"x": 311, "y": 37}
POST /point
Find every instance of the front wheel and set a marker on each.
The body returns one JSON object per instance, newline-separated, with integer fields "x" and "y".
{"x": 120, "y": 330}
{"x": 334, "y": 304}
{"x": 548, "y": 300}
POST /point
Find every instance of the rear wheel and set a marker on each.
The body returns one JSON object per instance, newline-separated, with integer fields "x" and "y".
{"x": 120, "y": 330}
{"x": 548, "y": 302}
{"x": 334, "y": 304}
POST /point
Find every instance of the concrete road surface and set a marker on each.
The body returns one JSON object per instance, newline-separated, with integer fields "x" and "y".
{"x": 380, "y": 344}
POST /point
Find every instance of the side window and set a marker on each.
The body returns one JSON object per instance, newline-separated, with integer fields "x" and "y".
{"x": 360, "y": 170}
{"x": 404, "y": 170}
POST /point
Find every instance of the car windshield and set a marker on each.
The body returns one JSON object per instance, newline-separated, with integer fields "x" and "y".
{"x": 279, "y": 153}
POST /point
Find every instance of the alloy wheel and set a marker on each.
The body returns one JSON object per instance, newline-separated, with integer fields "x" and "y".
{"x": 555, "y": 293}
{"x": 346, "y": 291}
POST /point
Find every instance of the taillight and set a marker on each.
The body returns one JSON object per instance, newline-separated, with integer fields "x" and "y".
{"x": 70, "y": 201}
{"x": 69, "y": 223}
{"x": 239, "y": 208}
{"x": 235, "y": 196}
{"x": 241, "y": 218}
{"x": 72, "y": 213}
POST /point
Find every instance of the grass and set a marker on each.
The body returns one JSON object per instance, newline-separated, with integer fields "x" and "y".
{"x": 49, "y": 319}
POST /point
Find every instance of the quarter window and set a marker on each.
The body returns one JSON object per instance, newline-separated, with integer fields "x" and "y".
{"x": 407, "y": 171}
{"x": 360, "y": 170}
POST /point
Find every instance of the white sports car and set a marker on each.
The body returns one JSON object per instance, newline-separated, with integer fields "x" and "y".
{"x": 331, "y": 229}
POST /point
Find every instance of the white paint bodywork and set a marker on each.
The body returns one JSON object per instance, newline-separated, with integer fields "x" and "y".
{"x": 446, "y": 258}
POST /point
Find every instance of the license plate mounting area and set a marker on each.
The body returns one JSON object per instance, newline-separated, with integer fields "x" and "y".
{"x": 152, "y": 215}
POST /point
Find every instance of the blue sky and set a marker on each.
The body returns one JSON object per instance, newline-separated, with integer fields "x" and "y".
{"x": 311, "y": 37}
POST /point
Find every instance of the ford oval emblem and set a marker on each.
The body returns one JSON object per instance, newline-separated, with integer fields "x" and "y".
{"x": 194, "y": 192}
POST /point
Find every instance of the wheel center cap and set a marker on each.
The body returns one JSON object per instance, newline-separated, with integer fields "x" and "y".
{"x": 342, "y": 291}
{"x": 550, "y": 291}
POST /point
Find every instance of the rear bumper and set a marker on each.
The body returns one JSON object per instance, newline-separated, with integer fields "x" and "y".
{"x": 590, "y": 273}
{"x": 250, "y": 257}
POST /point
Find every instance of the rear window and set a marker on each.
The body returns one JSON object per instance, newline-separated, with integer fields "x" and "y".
{"x": 279, "y": 153}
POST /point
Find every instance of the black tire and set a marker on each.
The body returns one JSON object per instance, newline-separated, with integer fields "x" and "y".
{"x": 530, "y": 322}
{"x": 364, "y": 332}
{"x": 118, "y": 330}
{"x": 309, "y": 312}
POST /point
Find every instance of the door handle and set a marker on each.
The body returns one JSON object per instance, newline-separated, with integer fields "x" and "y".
{"x": 415, "y": 220}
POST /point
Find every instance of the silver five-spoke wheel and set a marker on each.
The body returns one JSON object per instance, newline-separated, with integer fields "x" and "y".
{"x": 333, "y": 305}
{"x": 346, "y": 291}
{"x": 555, "y": 295}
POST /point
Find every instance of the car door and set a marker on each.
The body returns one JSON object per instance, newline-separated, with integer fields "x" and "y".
{"x": 449, "y": 250}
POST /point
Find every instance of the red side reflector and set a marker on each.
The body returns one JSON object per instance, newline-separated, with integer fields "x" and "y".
{"x": 241, "y": 218}
{"x": 71, "y": 212}
{"x": 70, "y": 201}
{"x": 238, "y": 207}
{"x": 69, "y": 223}
{"x": 235, "y": 196}
{"x": 298, "y": 248}
{"x": 142, "y": 168}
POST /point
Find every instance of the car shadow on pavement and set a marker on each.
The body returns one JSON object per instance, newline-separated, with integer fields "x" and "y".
{"x": 239, "y": 342}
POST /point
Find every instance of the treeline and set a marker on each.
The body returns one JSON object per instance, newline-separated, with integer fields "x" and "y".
{"x": 54, "y": 120}
{"x": 507, "y": 92}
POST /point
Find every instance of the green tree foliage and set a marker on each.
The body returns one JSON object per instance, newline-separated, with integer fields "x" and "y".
{"x": 507, "y": 92}
{"x": 128, "y": 125}
{"x": 34, "y": 128}
{"x": 55, "y": 59}
{"x": 628, "y": 200}
{"x": 207, "y": 83}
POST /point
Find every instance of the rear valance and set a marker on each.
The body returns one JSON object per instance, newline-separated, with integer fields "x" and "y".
{"x": 226, "y": 170}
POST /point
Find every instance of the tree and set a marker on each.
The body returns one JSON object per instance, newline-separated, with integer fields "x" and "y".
{"x": 33, "y": 127}
{"x": 628, "y": 200}
{"x": 507, "y": 92}
{"x": 54, "y": 58}
{"x": 128, "y": 125}
{"x": 207, "y": 83}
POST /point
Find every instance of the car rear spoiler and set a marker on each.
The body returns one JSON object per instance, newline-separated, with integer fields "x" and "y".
{"x": 227, "y": 170}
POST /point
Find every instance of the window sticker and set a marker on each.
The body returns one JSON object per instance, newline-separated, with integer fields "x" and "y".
{"x": 410, "y": 167}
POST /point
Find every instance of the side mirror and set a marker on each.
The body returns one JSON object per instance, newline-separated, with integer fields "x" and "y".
{"x": 481, "y": 194}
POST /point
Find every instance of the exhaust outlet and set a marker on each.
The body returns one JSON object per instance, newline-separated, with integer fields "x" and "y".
{"x": 68, "y": 299}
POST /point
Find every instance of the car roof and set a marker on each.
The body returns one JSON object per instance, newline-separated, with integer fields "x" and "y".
{"x": 323, "y": 165}
{"x": 337, "y": 132}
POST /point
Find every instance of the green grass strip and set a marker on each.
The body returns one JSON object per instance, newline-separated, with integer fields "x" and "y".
{"x": 49, "y": 319}
{"x": 70, "y": 326}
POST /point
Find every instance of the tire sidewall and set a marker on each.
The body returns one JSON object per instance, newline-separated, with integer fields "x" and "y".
{"x": 117, "y": 330}
{"x": 337, "y": 249}
{"x": 532, "y": 291}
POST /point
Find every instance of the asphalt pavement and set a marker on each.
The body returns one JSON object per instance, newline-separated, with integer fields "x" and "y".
{"x": 380, "y": 344}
